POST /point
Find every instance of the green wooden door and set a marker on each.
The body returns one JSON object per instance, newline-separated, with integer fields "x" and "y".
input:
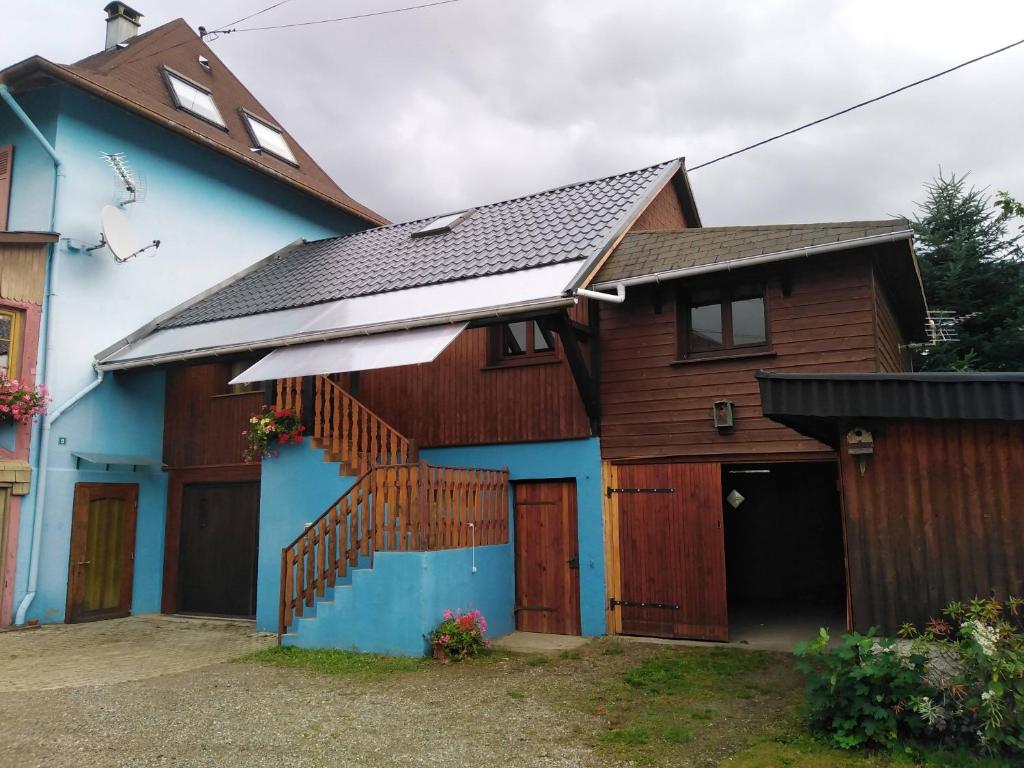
{"x": 102, "y": 551}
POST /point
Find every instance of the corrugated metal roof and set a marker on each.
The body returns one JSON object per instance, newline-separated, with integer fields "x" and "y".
{"x": 571, "y": 223}
{"x": 805, "y": 401}
{"x": 650, "y": 253}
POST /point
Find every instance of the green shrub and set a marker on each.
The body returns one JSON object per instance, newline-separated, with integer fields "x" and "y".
{"x": 958, "y": 682}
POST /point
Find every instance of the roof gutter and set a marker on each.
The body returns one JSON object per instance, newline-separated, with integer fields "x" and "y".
{"x": 363, "y": 330}
{"x": 750, "y": 261}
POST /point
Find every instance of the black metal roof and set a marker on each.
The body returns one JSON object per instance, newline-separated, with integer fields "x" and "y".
{"x": 814, "y": 403}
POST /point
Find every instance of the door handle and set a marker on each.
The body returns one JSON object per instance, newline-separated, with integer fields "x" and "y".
{"x": 84, "y": 562}
{"x": 574, "y": 563}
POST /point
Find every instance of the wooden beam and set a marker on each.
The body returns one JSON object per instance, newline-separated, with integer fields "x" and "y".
{"x": 586, "y": 384}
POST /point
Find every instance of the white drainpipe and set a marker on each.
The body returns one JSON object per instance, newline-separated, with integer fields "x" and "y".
{"x": 614, "y": 298}
{"x": 39, "y": 440}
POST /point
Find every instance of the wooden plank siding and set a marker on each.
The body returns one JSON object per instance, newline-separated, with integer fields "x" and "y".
{"x": 893, "y": 357}
{"x": 203, "y": 421}
{"x": 664, "y": 212}
{"x": 654, "y": 407}
{"x": 461, "y": 400}
{"x": 933, "y": 518}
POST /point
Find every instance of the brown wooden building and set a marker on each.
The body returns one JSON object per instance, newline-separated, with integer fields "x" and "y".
{"x": 929, "y": 466}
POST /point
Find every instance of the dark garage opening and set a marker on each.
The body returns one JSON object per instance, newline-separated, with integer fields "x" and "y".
{"x": 785, "y": 572}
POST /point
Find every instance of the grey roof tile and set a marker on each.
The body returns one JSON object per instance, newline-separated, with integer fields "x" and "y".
{"x": 564, "y": 224}
{"x": 648, "y": 253}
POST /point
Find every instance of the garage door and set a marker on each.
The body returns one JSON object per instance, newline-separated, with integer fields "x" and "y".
{"x": 672, "y": 551}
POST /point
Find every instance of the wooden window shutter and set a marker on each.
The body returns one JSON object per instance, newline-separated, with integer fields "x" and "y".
{"x": 6, "y": 168}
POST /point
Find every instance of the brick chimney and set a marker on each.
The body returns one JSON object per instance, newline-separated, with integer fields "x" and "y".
{"x": 122, "y": 24}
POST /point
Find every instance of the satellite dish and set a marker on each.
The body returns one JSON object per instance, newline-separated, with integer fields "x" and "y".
{"x": 117, "y": 235}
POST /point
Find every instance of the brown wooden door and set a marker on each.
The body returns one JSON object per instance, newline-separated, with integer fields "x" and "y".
{"x": 672, "y": 551}
{"x": 547, "y": 558}
{"x": 102, "y": 560}
{"x": 217, "y": 558}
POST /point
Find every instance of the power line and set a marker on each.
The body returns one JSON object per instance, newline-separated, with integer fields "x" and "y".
{"x": 257, "y": 13}
{"x": 340, "y": 18}
{"x": 902, "y": 88}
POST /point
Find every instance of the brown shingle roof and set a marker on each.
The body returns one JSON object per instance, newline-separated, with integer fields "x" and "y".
{"x": 651, "y": 253}
{"x": 131, "y": 78}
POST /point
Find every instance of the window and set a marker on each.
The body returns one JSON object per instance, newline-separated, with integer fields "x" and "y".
{"x": 268, "y": 138}
{"x": 192, "y": 97}
{"x": 443, "y": 224}
{"x": 713, "y": 320}
{"x": 10, "y": 341}
{"x": 522, "y": 340}
{"x": 236, "y": 368}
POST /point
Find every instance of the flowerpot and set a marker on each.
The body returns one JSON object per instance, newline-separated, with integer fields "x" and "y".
{"x": 439, "y": 653}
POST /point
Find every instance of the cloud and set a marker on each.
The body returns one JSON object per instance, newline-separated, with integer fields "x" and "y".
{"x": 435, "y": 110}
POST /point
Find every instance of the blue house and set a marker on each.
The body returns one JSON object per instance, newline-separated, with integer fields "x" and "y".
{"x": 151, "y": 139}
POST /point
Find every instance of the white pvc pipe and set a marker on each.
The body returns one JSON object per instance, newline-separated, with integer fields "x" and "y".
{"x": 613, "y": 298}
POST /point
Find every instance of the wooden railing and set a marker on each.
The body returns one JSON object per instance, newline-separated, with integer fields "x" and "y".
{"x": 288, "y": 394}
{"x": 352, "y": 434}
{"x": 398, "y": 508}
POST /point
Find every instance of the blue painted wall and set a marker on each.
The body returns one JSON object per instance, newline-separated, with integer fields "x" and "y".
{"x": 296, "y": 487}
{"x": 126, "y": 417}
{"x": 393, "y": 606}
{"x": 213, "y": 217}
{"x": 564, "y": 459}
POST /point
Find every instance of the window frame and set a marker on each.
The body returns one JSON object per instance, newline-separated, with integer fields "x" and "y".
{"x": 248, "y": 118}
{"x": 496, "y": 345}
{"x": 14, "y": 348}
{"x": 169, "y": 74}
{"x": 728, "y": 348}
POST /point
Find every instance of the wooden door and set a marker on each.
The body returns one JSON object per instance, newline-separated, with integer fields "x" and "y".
{"x": 547, "y": 558}
{"x": 217, "y": 557}
{"x": 672, "y": 551}
{"x": 102, "y": 560}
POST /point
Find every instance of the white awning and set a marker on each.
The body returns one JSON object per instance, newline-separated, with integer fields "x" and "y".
{"x": 356, "y": 353}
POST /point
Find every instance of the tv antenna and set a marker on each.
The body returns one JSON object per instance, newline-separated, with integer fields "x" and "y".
{"x": 117, "y": 236}
{"x": 942, "y": 326}
{"x": 127, "y": 178}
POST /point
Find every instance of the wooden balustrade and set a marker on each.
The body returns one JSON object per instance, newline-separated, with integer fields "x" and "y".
{"x": 288, "y": 394}
{"x": 396, "y": 508}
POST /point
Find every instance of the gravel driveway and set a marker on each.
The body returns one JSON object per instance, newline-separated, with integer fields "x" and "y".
{"x": 157, "y": 692}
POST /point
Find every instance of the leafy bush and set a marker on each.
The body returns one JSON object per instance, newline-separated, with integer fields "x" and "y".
{"x": 957, "y": 682}
{"x": 459, "y": 635}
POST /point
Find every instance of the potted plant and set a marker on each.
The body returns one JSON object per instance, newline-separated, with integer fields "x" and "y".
{"x": 21, "y": 402}
{"x": 271, "y": 425}
{"x": 459, "y": 636}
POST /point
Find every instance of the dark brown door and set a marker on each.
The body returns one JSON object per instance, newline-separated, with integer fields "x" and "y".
{"x": 219, "y": 532}
{"x": 102, "y": 551}
{"x": 672, "y": 551}
{"x": 547, "y": 558}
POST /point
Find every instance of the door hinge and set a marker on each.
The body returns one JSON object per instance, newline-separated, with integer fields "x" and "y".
{"x": 610, "y": 491}
{"x": 612, "y": 602}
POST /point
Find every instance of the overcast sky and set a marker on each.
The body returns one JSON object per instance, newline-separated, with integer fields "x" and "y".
{"x": 480, "y": 100}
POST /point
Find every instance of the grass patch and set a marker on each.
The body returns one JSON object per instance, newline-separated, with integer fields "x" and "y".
{"x": 537, "y": 661}
{"x": 716, "y": 671}
{"x": 627, "y": 736}
{"x": 335, "y": 663}
{"x": 513, "y": 694}
{"x": 571, "y": 655}
{"x": 613, "y": 650}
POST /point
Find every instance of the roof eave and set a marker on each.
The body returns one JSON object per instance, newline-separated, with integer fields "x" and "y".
{"x": 37, "y": 64}
{"x": 749, "y": 261}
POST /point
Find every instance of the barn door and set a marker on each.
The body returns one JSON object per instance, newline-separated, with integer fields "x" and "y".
{"x": 547, "y": 558}
{"x": 102, "y": 551}
{"x": 219, "y": 534}
{"x": 672, "y": 557}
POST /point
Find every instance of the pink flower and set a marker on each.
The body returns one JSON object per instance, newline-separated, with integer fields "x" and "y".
{"x": 447, "y": 613}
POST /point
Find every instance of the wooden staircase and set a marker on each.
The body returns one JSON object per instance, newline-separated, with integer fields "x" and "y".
{"x": 397, "y": 503}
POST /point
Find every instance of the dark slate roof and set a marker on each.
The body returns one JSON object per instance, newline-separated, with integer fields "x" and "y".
{"x": 650, "y": 253}
{"x": 570, "y": 223}
{"x": 815, "y": 404}
{"x": 130, "y": 77}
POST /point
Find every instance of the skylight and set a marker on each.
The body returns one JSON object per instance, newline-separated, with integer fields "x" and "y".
{"x": 442, "y": 224}
{"x": 193, "y": 98}
{"x": 268, "y": 138}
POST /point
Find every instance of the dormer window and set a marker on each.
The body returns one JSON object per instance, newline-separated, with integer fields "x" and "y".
{"x": 268, "y": 138}
{"x": 442, "y": 224}
{"x": 190, "y": 96}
